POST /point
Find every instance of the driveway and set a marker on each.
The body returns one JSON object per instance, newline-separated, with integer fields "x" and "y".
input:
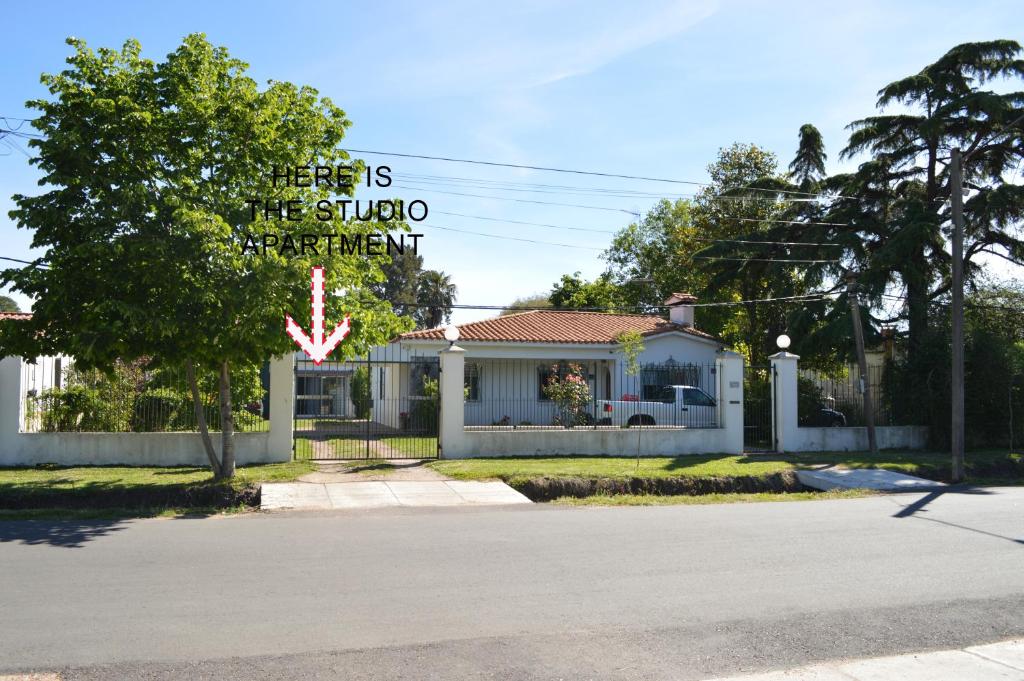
{"x": 530, "y": 592}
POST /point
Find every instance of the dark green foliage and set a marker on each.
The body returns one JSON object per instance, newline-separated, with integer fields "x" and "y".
{"x": 994, "y": 367}
{"x": 73, "y": 409}
{"x": 361, "y": 392}
{"x": 435, "y": 295}
{"x": 154, "y": 409}
{"x": 7, "y": 304}
{"x": 572, "y": 291}
{"x": 423, "y": 412}
{"x": 539, "y": 300}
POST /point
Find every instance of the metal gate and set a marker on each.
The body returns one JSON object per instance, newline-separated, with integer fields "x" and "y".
{"x": 382, "y": 406}
{"x": 758, "y": 414}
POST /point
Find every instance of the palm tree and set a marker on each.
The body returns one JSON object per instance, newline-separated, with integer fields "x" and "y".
{"x": 435, "y": 294}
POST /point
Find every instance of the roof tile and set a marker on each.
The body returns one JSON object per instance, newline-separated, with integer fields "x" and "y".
{"x": 549, "y": 326}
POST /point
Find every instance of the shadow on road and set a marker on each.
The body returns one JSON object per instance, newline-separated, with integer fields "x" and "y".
{"x": 69, "y": 534}
{"x": 913, "y": 510}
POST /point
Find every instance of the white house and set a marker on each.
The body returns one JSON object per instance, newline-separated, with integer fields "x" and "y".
{"x": 509, "y": 359}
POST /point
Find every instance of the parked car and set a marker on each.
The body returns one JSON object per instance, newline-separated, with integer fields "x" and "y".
{"x": 825, "y": 416}
{"x": 674, "y": 405}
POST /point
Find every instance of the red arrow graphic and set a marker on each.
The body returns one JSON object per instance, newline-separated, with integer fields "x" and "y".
{"x": 317, "y": 347}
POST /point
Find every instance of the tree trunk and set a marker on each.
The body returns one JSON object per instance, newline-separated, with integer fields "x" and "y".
{"x": 227, "y": 425}
{"x": 204, "y": 431}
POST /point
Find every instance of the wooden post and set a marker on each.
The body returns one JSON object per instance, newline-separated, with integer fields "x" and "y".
{"x": 862, "y": 362}
{"x": 957, "y": 313}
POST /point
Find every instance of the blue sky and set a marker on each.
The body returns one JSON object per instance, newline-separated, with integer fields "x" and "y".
{"x": 642, "y": 88}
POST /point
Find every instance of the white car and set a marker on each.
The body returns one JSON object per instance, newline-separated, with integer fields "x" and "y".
{"x": 675, "y": 405}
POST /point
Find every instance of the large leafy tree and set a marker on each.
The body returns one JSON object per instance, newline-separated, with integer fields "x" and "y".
{"x": 650, "y": 259}
{"x": 897, "y": 202}
{"x": 8, "y": 304}
{"x": 572, "y": 291}
{"x": 401, "y": 281}
{"x": 537, "y": 300}
{"x": 435, "y": 295}
{"x": 146, "y": 170}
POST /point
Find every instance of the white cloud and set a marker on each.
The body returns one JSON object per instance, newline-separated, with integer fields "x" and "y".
{"x": 531, "y": 45}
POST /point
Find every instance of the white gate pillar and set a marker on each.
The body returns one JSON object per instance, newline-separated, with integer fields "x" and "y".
{"x": 452, "y": 421}
{"x": 729, "y": 367}
{"x": 282, "y": 407}
{"x": 784, "y": 401}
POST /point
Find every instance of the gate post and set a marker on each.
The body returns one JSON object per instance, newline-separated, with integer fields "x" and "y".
{"x": 784, "y": 402}
{"x": 730, "y": 399}
{"x": 282, "y": 407}
{"x": 450, "y": 433}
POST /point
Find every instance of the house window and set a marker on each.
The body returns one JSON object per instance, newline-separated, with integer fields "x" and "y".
{"x": 418, "y": 373}
{"x": 380, "y": 382}
{"x": 472, "y": 381}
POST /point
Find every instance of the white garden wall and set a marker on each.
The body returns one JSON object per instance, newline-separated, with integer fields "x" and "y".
{"x": 855, "y": 439}
{"x": 139, "y": 449}
{"x": 593, "y": 442}
{"x": 791, "y": 437}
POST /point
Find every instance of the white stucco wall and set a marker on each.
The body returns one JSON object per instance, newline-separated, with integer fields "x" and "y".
{"x": 855, "y": 438}
{"x": 19, "y": 448}
{"x": 592, "y": 442}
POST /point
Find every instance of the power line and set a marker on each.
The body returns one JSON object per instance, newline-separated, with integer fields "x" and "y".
{"x": 511, "y": 238}
{"x": 606, "y": 231}
{"x": 769, "y": 243}
{"x": 574, "y": 172}
{"x": 522, "y": 222}
{"x": 805, "y": 298}
{"x": 508, "y": 198}
{"x": 26, "y": 262}
{"x": 715, "y": 258}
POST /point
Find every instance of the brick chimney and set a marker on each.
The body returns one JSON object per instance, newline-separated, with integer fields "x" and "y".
{"x": 680, "y": 308}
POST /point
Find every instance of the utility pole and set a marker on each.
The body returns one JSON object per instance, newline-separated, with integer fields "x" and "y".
{"x": 956, "y": 197}
{"x": 862, "y": 362}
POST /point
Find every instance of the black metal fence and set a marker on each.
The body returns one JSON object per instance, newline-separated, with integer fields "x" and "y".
{"x": 518, "y": 394}
{"x": 834, "y": 398}
{"x": 381, "y": 406}
{"x": 135, "y": 397}
{"x": 758, "y": 412}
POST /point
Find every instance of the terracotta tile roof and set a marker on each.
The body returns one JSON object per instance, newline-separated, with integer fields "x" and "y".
{"x": 15, "y": 315}
{"x": 678, "y": 298}
{"x": 543, "y": 326}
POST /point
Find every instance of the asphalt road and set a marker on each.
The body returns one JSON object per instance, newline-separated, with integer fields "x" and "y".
{"x": 512, "y": 593}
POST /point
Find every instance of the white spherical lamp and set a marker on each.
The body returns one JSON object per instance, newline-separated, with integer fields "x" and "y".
{"x": 783, "y": 342}
{"x": 451, "y": 333}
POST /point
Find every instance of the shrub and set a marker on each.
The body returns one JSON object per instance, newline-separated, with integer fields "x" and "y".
{"x": 361, "y": 392}
{"x": 423, "y": 413}
{"x": 567, "y": 387}
{"x": 155, "y": 409}
{"x": 72, "y": 409}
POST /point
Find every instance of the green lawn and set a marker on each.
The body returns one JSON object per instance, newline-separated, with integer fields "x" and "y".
{"x": 422, "y": 447}
{"x": 984, "y": 467}
{"x": 693, "y": 499}
{"x": 349, "y": 447}
{"x": 714, "y": 465}
{"x": 85, "y": 491}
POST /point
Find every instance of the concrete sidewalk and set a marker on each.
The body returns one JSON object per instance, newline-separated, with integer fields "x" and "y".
{"x": 384, "y": 493}
{"x": 1002, "y": 661}
{"x": 865, "y": 478}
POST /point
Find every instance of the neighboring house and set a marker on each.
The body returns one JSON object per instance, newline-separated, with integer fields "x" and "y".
{"x": 510, "y": 359}
{"x": 324, "y": 390}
